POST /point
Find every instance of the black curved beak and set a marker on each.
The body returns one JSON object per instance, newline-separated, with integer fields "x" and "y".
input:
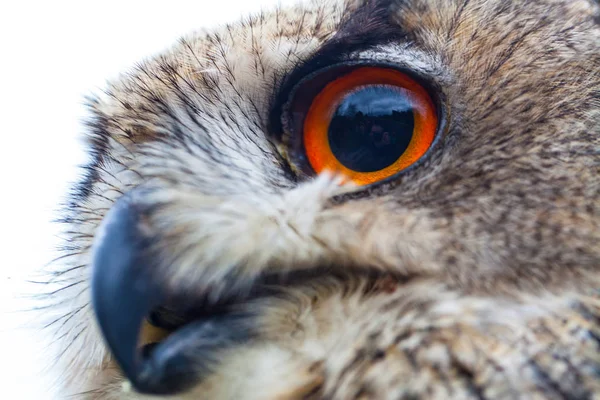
{"x": 126, "y": 287}
{"x": 123, "y": 291}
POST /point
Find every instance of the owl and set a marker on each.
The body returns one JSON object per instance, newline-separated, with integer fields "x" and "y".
{"x": 343, "y": 199}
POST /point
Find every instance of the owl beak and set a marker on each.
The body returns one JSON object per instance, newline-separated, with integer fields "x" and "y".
{"x": 122, "y": 290}
{"x": 126, "y": 287}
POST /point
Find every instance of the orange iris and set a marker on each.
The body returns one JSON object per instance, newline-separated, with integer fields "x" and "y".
{"x": 410, "y": 99}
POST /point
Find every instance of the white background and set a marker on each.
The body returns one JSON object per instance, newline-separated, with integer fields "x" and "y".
{"x": 52, "y": 53}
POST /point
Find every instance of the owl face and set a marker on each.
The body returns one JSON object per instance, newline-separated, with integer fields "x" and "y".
{"x": 416, "y": 150}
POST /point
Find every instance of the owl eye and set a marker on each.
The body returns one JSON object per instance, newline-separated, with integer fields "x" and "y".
{"x": 368, "y": 125}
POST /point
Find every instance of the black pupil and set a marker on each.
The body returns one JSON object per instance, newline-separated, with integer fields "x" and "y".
{"x": 371, "y": 128}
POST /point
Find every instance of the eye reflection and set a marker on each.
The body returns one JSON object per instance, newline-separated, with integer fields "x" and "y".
{"x": 371, "y": 128}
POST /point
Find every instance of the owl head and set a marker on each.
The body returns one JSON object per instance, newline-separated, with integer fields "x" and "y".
{"x": 340, "y": 199}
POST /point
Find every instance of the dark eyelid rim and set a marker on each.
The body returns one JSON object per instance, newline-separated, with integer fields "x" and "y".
{"x": 431, "y": 86}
